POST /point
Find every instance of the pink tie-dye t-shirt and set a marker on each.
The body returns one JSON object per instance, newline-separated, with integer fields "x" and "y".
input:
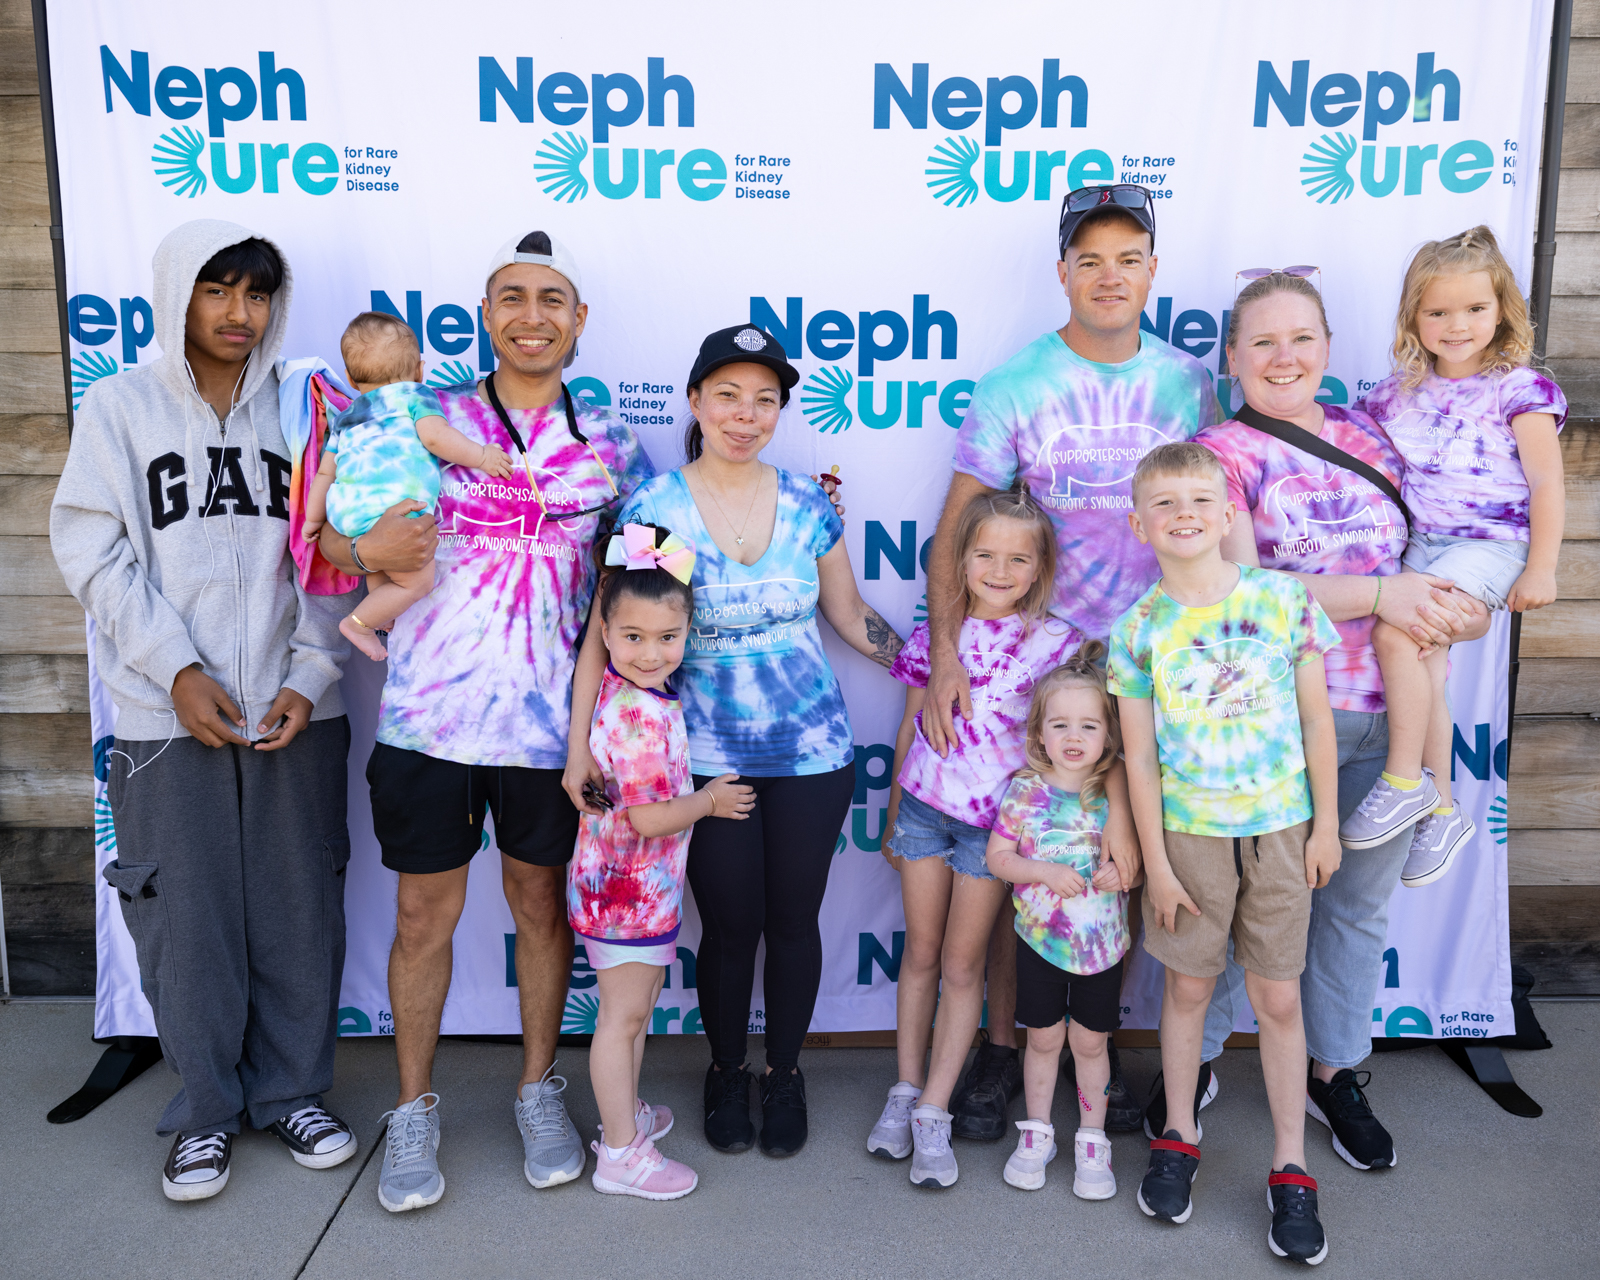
{"x": 1310, "y": 516}
{"x": 622, "y": 886}
{"x": 1083, "y": 934}
{"x": 1003, "y": 658}
{"x": 480, "y": 669}
{"x": 1464, "y": 476}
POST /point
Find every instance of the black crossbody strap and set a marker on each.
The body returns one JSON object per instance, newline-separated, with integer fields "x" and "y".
{"x": 1317, "y": 447}
{"x": 516, "y": 436}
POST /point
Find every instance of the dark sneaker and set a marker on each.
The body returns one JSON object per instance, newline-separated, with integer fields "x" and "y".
{"x": 783, "y": 1111}
{"x": 197, "y": 1166}
{"x": 1342, "y": 1106}
{"x": 317, "y": 1139}
{"x": 980, "y": 1104}
{"x": 727, "y": 1098}
{"x": 1155, "y": 1112}
{"x": 1123, "y": 1111}
{"x": 1296, "y": 1233}
{"x": 1174, "y": 1164}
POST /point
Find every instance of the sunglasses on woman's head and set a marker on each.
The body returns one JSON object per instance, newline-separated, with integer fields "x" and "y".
{"x": 1257, "y": 273}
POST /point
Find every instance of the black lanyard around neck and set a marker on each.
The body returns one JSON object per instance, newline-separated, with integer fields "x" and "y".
{"x": 516, "y": 436}
{"x": 1299, "y": 438}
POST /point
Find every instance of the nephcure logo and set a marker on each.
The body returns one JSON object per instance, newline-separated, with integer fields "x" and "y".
{"x": 223, "y": 96}
{"x": 1381, "y": 99}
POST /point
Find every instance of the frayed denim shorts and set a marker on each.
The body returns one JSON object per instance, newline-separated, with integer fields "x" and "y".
{"x": 1485, "y": 568}
{"x": 921, "y": 831}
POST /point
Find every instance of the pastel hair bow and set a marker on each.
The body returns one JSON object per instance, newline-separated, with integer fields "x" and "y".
{"x": 635, "y": 548}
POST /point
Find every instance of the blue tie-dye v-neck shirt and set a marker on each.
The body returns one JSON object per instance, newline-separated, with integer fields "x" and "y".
{"x": 759, "y": 697}
{"x": 1074, "y": 431}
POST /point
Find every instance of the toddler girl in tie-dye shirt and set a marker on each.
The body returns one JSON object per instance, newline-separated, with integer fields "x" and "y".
{"x": 1072, "y": 915}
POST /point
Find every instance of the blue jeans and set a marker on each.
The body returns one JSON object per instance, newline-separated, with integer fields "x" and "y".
{"x": 1349, "y": 921}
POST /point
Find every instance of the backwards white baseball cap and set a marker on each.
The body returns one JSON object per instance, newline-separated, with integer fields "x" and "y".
{"x": 541, "y": 249}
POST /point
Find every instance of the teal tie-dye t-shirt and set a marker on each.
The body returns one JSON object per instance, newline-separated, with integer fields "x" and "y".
{"x": 1074, "y": 431}
{"x": 382, "y": 460}
{"x": 1222, "y": 680}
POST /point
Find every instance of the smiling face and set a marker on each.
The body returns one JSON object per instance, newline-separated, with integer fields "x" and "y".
{"x": 533, "y": 317}
{"x": 737, "y": 408}
{"x": 1281, "y": 354}
{"x": 1074, "y": 729}
{"x": 1107, "y": 275}
{"x": 1182, "y": 518}
{"x": 645, "y": 639}
{"x": 226, "y": 322}
{"x": 1002, "y": 565}
{"x": 1457, "y": 321}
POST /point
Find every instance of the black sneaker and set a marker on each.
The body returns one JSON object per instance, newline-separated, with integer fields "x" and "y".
{"x": 197, "y": 1166}
{"x": 727, "y": 1098}
{"x": 978, "y": 1107}
{"x": 1155, "y": 1111}
{"x": 1296, "y": 1233}
{"x": 1123, "y": 1111}
{"x": 783, "y": 1111}
{"x": 1342, "y": 1106}
{"x": 1164, "y": 1192}
{"x": 316, "y": 1138}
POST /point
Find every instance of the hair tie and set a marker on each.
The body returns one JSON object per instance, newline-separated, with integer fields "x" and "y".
{"x": 635, "y": 548}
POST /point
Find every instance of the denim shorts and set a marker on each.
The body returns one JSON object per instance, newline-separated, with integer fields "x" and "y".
{"x": 921, "y": 831}
{"x": 1485, "y": 568}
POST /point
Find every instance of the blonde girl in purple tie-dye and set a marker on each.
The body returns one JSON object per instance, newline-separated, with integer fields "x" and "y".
{"x": 1477, "y": 430}
{"x": 1072, "y": 912}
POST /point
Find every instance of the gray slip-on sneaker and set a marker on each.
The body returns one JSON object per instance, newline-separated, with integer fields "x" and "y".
{"x": 1386, "y": 812}
{"x": 1439, "y": 837}
{"x": 410, "y": 1177}
{"x": 552, "y": 1151}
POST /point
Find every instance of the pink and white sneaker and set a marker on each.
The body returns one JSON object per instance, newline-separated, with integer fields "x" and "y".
{"x": 655, "y": 1121}
{"x": 644, "y": 1172}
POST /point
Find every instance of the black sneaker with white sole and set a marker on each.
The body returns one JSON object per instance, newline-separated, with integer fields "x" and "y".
{"x": 1122, "y": 1108}
{"x": 1155, "y": 1112}
{"x": 316, "y": 1138}
{"x": 1296, "y": 1232}
{"x": 983, "y": 1098}
{"x": 197, "y": 1166}
{"x": 1341, "y": 1104}
{"x": 1164, "y": 1191}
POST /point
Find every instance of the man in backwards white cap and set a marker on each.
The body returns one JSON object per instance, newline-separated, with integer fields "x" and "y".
{"x": 476, "y": 709}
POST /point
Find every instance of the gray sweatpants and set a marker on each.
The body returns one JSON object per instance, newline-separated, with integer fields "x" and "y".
{"x": 230, "y": 871}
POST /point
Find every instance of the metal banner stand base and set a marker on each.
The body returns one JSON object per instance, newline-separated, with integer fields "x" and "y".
{"x": 126, "y": 1059}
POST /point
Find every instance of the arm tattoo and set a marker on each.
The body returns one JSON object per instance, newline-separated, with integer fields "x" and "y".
{"x": 883, "y": 638}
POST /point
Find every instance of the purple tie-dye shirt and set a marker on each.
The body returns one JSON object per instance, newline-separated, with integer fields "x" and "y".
{"x": 1075, "y": 430}
{"x": 480, "y": 670}
{"x": 1084, "y": 934}
{"x": 1003, "y": 658}
{"x": 1310, "y": 516}
{"x": 1463, "y": 473}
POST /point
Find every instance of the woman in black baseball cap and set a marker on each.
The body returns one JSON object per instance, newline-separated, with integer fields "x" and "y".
{"x": 760, "y": 701}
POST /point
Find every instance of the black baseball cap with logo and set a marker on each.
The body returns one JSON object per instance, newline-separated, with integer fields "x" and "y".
{"x": 1088, "y": 203}
{"x": 743, "y": 344}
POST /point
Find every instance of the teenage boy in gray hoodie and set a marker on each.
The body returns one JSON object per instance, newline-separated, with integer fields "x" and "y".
{"x": 227, "y": 779}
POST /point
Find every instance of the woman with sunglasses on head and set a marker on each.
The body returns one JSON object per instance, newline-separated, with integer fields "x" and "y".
{"x": 1316, "y": 489}
{"x": 759, "y": 701}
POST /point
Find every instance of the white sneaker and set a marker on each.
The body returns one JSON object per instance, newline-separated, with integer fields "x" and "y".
{"x": 1438, "y": 838}
{"x": 1036, "y": 1147}
{"x": 933, "y": 1164}
{"x": 1091, "y": 1153}
{"x": 890, "y": 1138}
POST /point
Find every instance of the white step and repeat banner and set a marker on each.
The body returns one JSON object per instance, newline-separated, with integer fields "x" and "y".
{"x": 882, "y": 194}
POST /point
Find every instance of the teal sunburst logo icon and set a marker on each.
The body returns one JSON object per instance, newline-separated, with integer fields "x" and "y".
{"x": 105, "y": 831}
{"x": 177, "y": 161}
{"x": 452, "y": 373}
{"x": 559, "y": 173}
{"x": 921, "y": 614}
{"x": 89, "y": 367}
{"x": 823, "y": 399}
{"x": 1498, "y": 820}
{"x": 1328, "y": 168}
{"x": 950, "y": 171}
{"x": 581, "y": 1015}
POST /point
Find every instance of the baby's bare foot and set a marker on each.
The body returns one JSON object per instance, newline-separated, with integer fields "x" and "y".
{"x": 364, "y": 638}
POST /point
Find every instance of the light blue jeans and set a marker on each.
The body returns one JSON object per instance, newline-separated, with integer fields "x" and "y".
{"x": 1349, "y": 922}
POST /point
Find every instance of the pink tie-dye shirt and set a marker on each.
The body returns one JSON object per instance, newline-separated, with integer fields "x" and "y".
{"x": 1310, "y": 516}
{"x": 1003, "y": 658}
{"x": 622, "y": 886}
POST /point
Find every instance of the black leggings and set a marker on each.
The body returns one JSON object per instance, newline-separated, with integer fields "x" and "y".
{"x": 765, "y": 875}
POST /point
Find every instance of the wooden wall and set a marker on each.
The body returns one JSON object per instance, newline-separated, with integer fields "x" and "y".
{"x": 46, "y": 833}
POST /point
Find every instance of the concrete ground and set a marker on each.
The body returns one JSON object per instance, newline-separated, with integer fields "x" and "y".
{"x": 1477, "y": 1192}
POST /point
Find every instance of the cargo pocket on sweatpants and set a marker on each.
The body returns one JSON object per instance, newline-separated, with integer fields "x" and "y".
{"x": 336, "y": 857}
{"x": 138, "y": 887}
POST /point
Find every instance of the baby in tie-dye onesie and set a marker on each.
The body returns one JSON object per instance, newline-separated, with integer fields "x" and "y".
{"x": 385, "y": 448}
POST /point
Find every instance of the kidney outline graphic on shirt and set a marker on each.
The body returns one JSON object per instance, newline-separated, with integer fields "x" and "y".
{"x": 1298, "y": 523}
{"x": 1091, "y": 473}
{"x": 1271, "y": 666}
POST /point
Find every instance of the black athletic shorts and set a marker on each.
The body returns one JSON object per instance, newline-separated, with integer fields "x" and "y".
{"x": 1046, "y": 994}
{"x": 428, "y": 813}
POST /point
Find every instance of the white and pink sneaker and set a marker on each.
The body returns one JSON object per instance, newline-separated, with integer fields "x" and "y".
{"x": 654, "y": 1121}
{"x": 642, "y": 1171}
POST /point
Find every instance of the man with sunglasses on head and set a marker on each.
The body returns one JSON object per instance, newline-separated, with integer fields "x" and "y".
{"x": 478, "y": 700}
{"x": 1069, "y": 416}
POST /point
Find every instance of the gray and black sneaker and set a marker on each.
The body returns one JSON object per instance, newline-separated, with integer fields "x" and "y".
{"x": 1155, "y": 1112}
{"x": 1296, "y": 1232}
{"x": 552, "y": 1151}
{"x": 197, "y": 1166}
{"x": 1123, "y": 1110}
{"x": 981, "y": 1101}
{"x": 410, "y": 1177}
{"x": 1341, "y": 1104}
{"x": 316, "y": 1138}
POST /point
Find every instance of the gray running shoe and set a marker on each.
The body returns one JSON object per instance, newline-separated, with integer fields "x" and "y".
{"x": 552, "y": 1150}
{"x": 1386, "y": 812}
{"x": 410, "y": 1177}
{"x": 933, "y": 1164}
{"x": 1439, "y": 837}
{"x": 891, "y": 1136}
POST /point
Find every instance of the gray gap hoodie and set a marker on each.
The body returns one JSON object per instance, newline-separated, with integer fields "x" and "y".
{"x": 167, "y": 586}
